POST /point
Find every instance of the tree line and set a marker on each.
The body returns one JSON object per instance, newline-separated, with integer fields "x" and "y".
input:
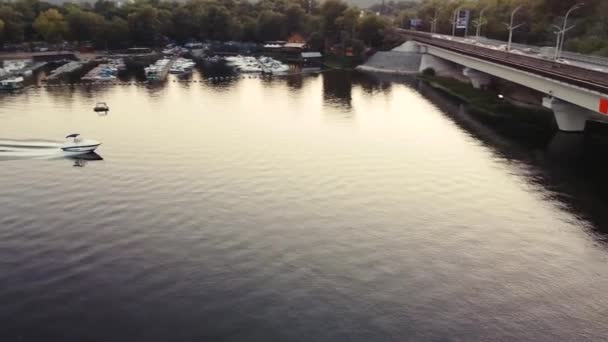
{"x": 153, "y": 22}
{"x": 110, "y": 24}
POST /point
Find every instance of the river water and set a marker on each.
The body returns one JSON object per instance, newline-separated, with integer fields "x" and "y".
{"x": 327, "y": 207}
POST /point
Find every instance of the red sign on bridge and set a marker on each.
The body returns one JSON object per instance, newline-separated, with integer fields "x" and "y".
{"x": 604, "y": 106}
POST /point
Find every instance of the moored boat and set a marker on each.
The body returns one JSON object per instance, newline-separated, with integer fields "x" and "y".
{"x": 14, "y": 83}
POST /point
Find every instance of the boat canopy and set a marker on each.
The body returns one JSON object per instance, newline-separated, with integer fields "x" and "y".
{"x": 74, "y": 135}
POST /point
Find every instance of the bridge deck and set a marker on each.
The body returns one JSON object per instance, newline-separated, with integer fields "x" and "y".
{"x": 585, "y": 78}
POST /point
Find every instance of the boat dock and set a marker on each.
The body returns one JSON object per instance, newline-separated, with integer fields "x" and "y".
{"x": 66, "y": 69}
{"x": 102, "y": 72}
{"x": 94, "y": 73}
{"x": 158, "y": 71}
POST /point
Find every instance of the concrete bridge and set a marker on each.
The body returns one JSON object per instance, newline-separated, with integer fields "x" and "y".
{"x": 574, "y": 93}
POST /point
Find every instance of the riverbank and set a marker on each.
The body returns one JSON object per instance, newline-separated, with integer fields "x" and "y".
{"x": 490, "y": 104}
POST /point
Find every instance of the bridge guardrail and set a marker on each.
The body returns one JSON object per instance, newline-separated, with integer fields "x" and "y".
{"x": 582, "y": 77}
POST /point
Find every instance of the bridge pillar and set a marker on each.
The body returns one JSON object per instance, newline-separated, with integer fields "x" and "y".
{"x": 441, "y": 67}
{"x": 478, "y": 79}
{"x": 569, "y": 117}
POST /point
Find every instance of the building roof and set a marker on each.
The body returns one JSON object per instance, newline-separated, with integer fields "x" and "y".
{"x": 311, "y": 55}
{"x": 295, "y": 45}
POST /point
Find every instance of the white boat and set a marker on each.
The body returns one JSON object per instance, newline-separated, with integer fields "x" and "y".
{"x": 105, "y": 77}
{"x": 278, "y": 68}
{"x": 157, "y": 71}
{"x": 101, "y": 107}
{"x": 182, "y": 66}
{"x": 75, "y": 143}
{"x": 12, "y": 83}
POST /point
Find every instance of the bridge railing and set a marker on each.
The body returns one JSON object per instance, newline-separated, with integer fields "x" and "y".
{"x": 583, "y": 77}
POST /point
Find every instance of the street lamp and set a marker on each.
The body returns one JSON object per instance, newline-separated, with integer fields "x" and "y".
{"x": 434, "y": 21}
{"x": 564, "y": 29}
{"x": 480, "y": 21}
{"x": 558, "y": 33}
{"x": 511, "y": 27}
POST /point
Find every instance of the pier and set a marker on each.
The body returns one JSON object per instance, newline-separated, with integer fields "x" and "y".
{"x": 158, "y": 71}
{"x": 65, "y": 69}
{"x": 98, "y": 74}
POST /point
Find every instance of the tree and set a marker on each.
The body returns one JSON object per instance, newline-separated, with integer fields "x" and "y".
{"x": 295, "y": 19}
{"x": 85, "y": 25}
{"x": 248, "y": 29}
{"x": 116, "y": 33}
{"x": 145, "y": 26}
{"x": 51, "y": 25}
{"x": 330, "y": 11}
{"x": 217, "y": 23}
{"x": 1, "y": 29}
{"x": 371, "y": 30}
{"x": 348, "y": 21}
{"x": 13, "y": 24}
{"x": 185, "y": 23}
{"x": 105, "y": 8}
{"x": 315, "y": 42}
{"x": 270, "y": 26}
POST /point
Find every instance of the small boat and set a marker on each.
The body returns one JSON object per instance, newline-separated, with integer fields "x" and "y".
{"x": 101, "y": 107}
{"x": 12, "y": 83}
{"x": 75, "y": 143}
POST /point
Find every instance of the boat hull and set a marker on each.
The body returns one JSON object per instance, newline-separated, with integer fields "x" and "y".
{"x": 81, "y": 147}
{"x": 89, "y": 148}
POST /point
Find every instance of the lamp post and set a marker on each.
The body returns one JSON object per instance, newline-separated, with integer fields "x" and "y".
{"x": 434, "y": 21}
{"x": 558, "y": 33}
{"x": 454, "y": 19}
{"x": 564, "y": 29}
{"x": 511, "y": 27}
{"x": 480, "y": 22}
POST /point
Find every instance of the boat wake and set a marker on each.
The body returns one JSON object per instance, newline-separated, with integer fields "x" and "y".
{"x": 33, "y": 149}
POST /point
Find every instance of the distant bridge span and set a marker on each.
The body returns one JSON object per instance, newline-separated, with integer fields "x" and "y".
{"x": 574, "y": 93}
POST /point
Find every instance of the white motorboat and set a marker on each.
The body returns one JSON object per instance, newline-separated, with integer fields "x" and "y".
{"x": 182, "y": 66}
{"x": 75, "y": 143}
{"x": 12, "y": 83}
{"x": 250, "y": 67}
{"x": 278, "y": 68}
{"x": 101, "y": 107}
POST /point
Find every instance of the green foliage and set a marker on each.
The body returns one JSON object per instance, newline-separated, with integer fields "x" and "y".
{"x": 371, "y": 29}
{"x": 116, "y": 33}
{"x": 330, "y": 11}
{"x": 428, "y": 72}
{"x": 13, "y": 24}
{"x": 51, "y": 25}
{"x": 270, "y": 26}
{"x": 85, "y": 25}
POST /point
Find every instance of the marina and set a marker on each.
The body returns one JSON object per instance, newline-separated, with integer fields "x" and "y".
{"x": 65, "y": 69}
{"x": 249, "y": 64}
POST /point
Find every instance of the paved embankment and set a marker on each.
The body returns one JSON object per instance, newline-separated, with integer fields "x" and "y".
{"x": 395, "y": 62}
